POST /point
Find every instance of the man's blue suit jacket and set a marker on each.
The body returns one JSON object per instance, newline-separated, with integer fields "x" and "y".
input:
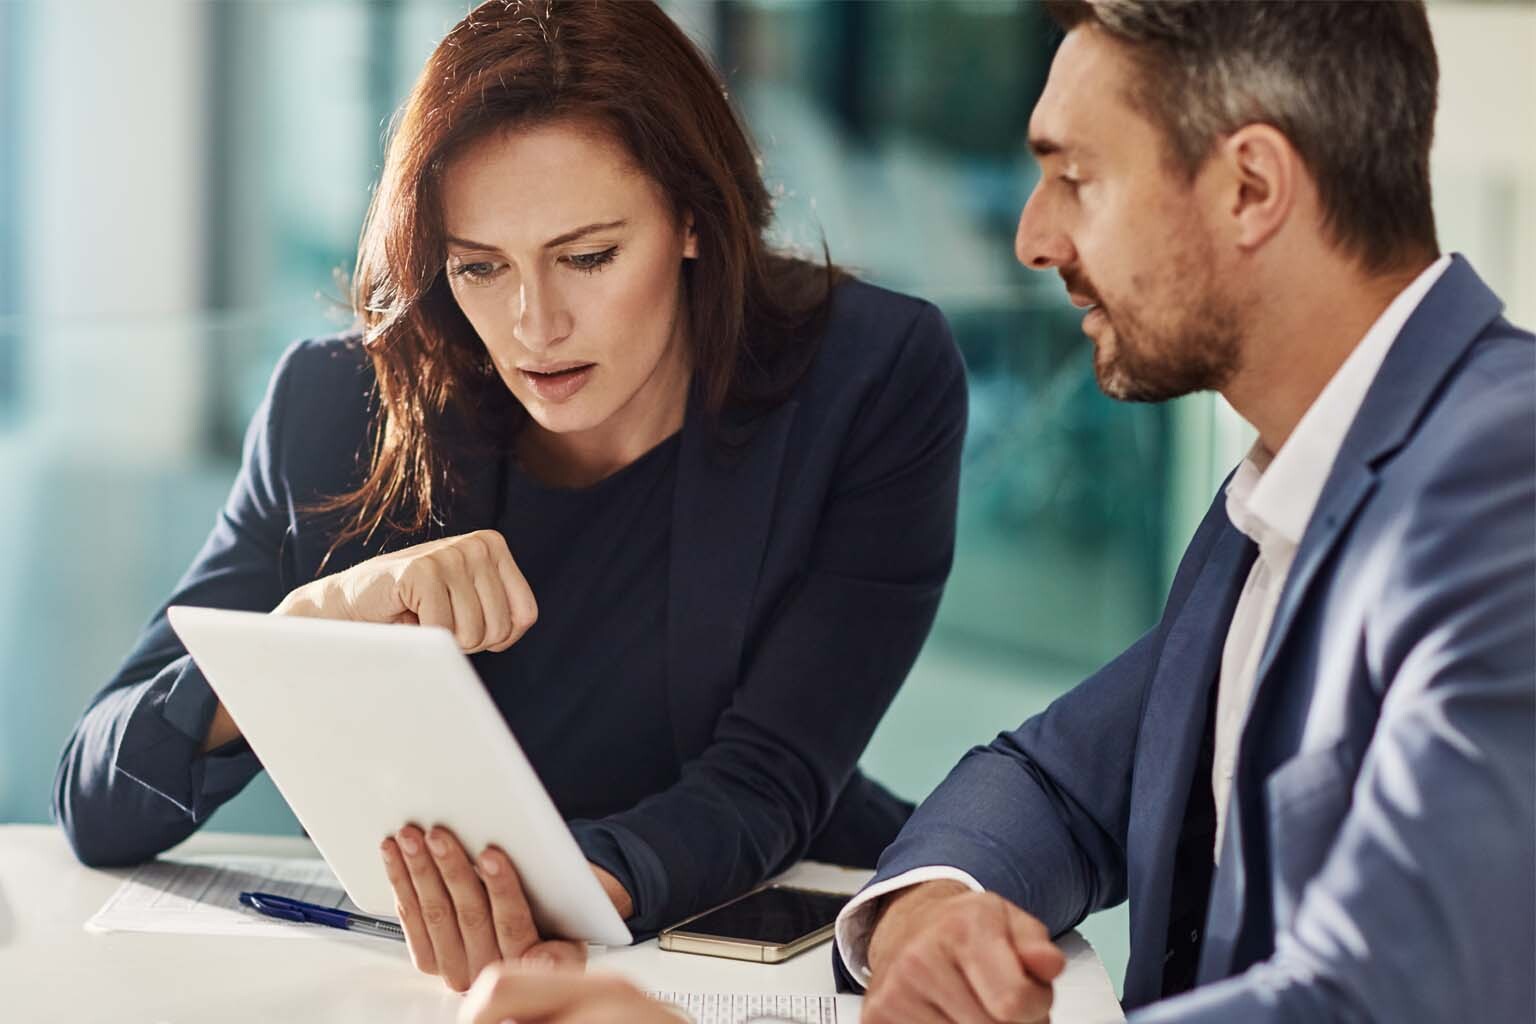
{"x": 1379, "y": 862}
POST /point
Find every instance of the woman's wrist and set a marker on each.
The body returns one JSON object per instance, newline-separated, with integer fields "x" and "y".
{"x": 617, "y": 894}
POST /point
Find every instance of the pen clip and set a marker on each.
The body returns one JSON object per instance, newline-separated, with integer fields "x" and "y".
{"x": 271, "y": 908}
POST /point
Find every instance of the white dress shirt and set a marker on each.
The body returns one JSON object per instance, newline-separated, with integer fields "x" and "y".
{"x": 1270, "y": 499}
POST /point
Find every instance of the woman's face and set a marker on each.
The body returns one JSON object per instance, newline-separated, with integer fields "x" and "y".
{"x": 567, "y": 260}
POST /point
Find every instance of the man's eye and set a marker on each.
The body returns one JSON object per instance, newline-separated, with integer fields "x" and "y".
{"x": 590, "y": 262}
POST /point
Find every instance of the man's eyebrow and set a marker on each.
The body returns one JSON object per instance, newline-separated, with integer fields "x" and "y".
{"x": 565, "y": 239}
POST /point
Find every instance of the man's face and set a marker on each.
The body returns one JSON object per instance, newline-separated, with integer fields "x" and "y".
{"x": 1128, "y": 233}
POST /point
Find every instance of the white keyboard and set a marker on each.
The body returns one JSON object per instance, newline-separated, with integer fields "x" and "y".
{"x": 742, "y": 1007}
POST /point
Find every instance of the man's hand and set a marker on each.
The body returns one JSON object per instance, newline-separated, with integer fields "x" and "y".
{"x": 528, "y": 996}
{"x": 941, "y": 953}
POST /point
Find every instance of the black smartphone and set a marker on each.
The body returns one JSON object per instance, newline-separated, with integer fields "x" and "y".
{"x": 768, "y": 925}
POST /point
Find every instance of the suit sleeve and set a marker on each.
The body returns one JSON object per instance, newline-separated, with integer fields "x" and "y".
{"x": 1040, "y": 815}
{"x": 131, "y": 781}
{"x": 1422, "y": 909}
{"x": 829, "y": 662}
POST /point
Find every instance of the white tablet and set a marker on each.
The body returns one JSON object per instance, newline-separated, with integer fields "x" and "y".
{"x": 365, "y": 728}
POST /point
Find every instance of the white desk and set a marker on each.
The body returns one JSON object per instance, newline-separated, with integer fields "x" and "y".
{"x": 51, "y": 969}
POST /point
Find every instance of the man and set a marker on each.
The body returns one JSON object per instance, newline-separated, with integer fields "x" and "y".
{"x": 1315, "y": 778}
{"x": 1336, "y": 715}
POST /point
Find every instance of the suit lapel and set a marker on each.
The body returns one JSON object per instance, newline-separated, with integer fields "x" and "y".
{"x": 1168, "y": 745}
{"x": 1432, "y": 342}
{"x": 722, "y": 510}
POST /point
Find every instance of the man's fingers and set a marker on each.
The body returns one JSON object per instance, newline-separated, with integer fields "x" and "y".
{"x": 408, "y": 908}
{"x": 437, "y": 910}
{"x": 990, "y": 960}
{"x": 1044, "y": 962}
{"x": 513, "y": 920}
{"x": 1032, "y": 942}
{"x": 470, "y": 903}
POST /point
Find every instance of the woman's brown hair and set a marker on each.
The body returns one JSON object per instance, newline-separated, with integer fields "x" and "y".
{"x": 752, "y": 314}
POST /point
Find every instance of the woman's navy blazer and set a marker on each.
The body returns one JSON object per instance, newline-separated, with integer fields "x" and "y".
{"x": 807, "y": 561}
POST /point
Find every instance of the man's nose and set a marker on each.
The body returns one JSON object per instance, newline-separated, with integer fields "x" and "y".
{"x": 1040, "y": 244}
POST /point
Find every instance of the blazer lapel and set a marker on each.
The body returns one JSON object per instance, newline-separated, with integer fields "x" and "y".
{"x": 1168, "y": 746}
{"x": 722, "y": 510}
{"x": 1431, "y": 343}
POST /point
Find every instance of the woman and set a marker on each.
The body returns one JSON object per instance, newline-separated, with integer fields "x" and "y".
{"x": 688, "y": 503}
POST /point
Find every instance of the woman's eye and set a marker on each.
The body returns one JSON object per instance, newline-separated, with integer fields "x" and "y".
{"x": 475, "y": 273}
{"x": 590, "y": 262}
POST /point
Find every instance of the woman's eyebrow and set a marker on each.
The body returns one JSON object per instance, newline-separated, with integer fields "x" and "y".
{"x": 565, "y": 239}
{"x": 571, "y": 236}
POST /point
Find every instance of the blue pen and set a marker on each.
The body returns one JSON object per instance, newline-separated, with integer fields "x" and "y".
{"x": 297, "y": 910}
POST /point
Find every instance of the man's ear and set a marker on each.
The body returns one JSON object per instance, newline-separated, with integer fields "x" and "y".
{"x": 1262, "y": 174}
{"x": 690, "y": 237}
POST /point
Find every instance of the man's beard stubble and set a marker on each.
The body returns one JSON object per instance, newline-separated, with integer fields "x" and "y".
{"x": 1200, "y": 351}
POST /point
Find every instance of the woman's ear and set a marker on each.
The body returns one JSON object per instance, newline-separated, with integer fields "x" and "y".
{"x": 690, "y": 237}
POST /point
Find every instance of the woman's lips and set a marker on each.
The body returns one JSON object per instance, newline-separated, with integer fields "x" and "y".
{"x": 559, "y": 386}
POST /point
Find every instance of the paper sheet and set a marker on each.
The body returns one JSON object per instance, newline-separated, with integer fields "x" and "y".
{"x": 200, "y": 896}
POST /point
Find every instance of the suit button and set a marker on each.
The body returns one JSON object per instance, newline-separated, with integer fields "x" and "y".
{"x": 1194, "y": 935}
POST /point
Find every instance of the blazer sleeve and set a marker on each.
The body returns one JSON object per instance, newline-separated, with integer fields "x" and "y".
{"x": 1422, "y": 908}
{"x": 829, "y": 663}
{"x": 1040, "y": 815}
{"x": 131, "y": 781}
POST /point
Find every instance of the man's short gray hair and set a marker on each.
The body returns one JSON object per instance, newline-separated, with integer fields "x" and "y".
{"x": 1351, "y": 84}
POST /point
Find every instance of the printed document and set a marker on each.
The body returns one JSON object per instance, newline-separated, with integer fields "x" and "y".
{"x": 200, "y": 895}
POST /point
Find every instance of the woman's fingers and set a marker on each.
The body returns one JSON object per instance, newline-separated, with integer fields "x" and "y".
{"x": 556, "y": 954}
{"x": 470, "y": 902}
{"x": 437, "y": 909}
{"x": 468, "y": 584}
{"x": 505, "y": 992}
{"x": 408, "y": 907}
{"x": 515, "y": 930}
{"x": 495, "y": 607}
{"x": 520, "y": 602}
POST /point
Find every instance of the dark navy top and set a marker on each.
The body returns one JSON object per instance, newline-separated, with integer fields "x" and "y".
{"x": 806, "y": 550}
{"x": 596, "y": 561}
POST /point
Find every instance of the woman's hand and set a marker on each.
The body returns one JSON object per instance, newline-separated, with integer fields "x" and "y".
{"x": 459, "y": 916}
{"x": 468, "y": 584}
{"x": 531, "y": 996}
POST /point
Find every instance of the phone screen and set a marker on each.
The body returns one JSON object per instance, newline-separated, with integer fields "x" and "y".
{"x": 775, "y": 916}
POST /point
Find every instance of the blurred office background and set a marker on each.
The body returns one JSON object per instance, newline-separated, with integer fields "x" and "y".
{"x": 180, "y": 183}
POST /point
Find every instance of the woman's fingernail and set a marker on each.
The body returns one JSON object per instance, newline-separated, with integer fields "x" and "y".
{"x": 539, "y": 960}
{"x": 409, "y": 844}
{"x": 438, "y": 844}
{"x": 488, "y": 864}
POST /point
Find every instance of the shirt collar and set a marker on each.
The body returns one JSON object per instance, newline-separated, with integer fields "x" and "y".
{"x": 1277, "y": 495}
